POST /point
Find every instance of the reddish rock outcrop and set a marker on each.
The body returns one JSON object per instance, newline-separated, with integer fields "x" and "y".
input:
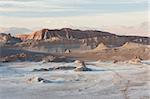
{"x": 23, "y": 37}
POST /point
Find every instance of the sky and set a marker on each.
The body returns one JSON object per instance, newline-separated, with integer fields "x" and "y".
{"x": 125, "y": 17}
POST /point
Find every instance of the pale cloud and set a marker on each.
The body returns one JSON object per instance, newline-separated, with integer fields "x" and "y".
{"x": 96, "y": 20}
{"x": 138, "y": 30}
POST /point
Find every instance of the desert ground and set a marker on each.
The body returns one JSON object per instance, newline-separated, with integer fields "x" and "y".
{"x": 107, "y": 80}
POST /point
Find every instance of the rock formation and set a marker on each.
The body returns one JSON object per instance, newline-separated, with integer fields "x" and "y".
{"x": 67, "y": 51}
{"x": 87, "y": 36}
{"x": 136, "y": 60}
{"x": 23, "y": 37}
{"x": 65, "y": 33}
{"x": 80, "y": 66}
{"x": 100, "y": 47}
{"x": 8, "y": 39}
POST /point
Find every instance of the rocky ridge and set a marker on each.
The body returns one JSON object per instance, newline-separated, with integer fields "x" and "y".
{"x": 91, "y": 37}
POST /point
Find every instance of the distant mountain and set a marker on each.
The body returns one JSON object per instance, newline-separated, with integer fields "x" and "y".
{"x": 14, "y": 30}
{"x": 86, "y": 36}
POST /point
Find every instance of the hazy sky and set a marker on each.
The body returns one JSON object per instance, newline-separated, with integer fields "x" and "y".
{"x": 120, "y": 16}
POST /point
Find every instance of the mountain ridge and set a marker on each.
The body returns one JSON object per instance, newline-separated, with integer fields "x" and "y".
{"x": 84, "y": 36}
{"x": 67, "y": 33}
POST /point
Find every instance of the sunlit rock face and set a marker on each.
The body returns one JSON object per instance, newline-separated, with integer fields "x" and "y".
{"x": 22, "y": 36}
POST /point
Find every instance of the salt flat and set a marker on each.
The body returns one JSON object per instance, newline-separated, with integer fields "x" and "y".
{"x": 107, "y": 81}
